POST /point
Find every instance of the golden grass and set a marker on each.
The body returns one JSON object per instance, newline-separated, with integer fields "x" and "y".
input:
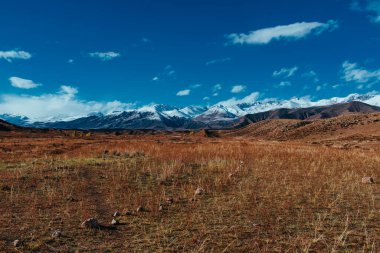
{"x": 260, "y": 196}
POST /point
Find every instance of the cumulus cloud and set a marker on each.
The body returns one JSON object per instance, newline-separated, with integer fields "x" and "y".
{"x": 14, "y": 54}
{"x": 183, "y": 92}
{"x": 285, "y": 72}
{"x": 372, "y": 7}
{"x": 238, "y": 88}
{"x": 217, "y": 61}
{"x": 62, "y": 105}
{"x": 22, "y": 83}
{"x": 284, "y": 32}
{"x": 69, "y": 90}
{"x": 105, "y": 56}
{"x": 352, "y": 72}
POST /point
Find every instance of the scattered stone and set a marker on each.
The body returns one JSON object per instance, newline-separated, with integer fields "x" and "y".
{"x": 16, "y": 243}
{"x": 161, "y": 207}
{"x": 116, "y": 214}
{"x": 115, "y": 222}
{"x": 141, "y": 209}
{"x": 368, "y": 180}
{"x": 56, "y": 234}
{"x": 70, "y": 198}
{"x": 128, "y": 213}
{"x": 90, "y": 223}
{"x": 169, "y": 200}
{"x": 199, "y": 191}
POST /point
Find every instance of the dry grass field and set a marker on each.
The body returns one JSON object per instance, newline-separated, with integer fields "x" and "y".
{"x": 259, "y": 195}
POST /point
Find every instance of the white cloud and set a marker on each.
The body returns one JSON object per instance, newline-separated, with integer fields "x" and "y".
{"x": 216, "y": 61}
{"x": 372, "y": 7}
{"x": 195, "y": 86}
{"x": 171, "y": 72}
{"x": 183, "y": 93}
{"x": 105, "y": 56}
{"x": 69, "y": 90}
{"x": 167, "y": 73}
{"x": 216, "y": 87}
{"x": 285, "y": 72}
{"x": 238, "y": 88}
{"x": 290, "y": 32}
{"x": 251, "y": 98}
{"x": 62, "y": 105}
{"x": 206, "y": 98}
{"x": 22, "y": 83}
{"x": 312, "y": 75}
{"x": 70, "y": 61}
{"x": 351, "y": 72}
{"x": 284, "y": 84}
{"x": 336, "y": 86}
{"x": 145, "y": 40}
{"x": 13, "y": 54}
{"x": 215, "y": 94}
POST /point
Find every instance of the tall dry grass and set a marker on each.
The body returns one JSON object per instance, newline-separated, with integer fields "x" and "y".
{"x": 260, "y": 196}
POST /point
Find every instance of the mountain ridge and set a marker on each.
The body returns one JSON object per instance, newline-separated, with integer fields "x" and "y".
{"x": 163, "y": 117}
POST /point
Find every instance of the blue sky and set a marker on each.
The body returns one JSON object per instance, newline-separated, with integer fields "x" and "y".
{"x": 185, "y": 52}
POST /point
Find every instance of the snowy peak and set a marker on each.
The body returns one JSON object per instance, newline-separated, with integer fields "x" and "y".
{"x": 160, "y": 116}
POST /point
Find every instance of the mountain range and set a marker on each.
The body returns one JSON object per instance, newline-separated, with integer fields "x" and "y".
{"x": 221, "y": 115}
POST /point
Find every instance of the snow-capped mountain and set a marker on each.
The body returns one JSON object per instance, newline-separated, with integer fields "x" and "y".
{"x": 222, "y": 114}
{"x": 233, "y": 109}
{"x": 153, "y": 117}
{"x": 15, "y": 119}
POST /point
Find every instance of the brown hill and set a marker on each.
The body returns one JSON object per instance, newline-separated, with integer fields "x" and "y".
{"x": 310, "y": 113}
{"x": 5, "y": 126}
{"x": 344, "y": 126}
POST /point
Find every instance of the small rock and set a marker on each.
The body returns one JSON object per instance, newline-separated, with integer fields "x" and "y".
{"x": 368, "y": 180}
{"x": 128, "y": 213}
{"x": 170, "y": 200}
{"x": 90, "y": 223}
{"x": 199, "y": 191}
{"x": 116, "y": 214}
{"x": 70, "y": 198}
{"x": 161, "y": 207}
{"x": 56, "y": 234}
{"x": 16, "y": 243}
{"x": 141, "y": 209}
{"x": 114, "y": 222}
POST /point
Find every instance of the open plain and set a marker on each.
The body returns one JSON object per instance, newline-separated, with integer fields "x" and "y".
{"x": 191, "y": 191}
